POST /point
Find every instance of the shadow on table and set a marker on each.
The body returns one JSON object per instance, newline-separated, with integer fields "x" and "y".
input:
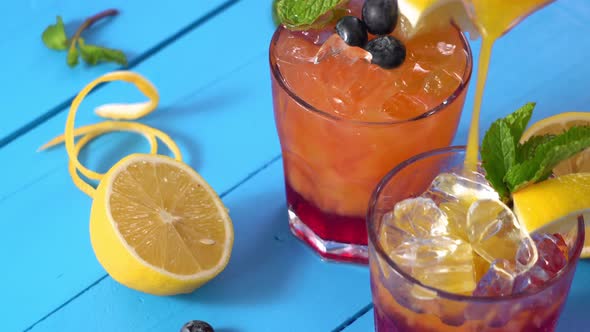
{"x": 229, "y": 329}
{"x": 105, "y": 151}
{"x": 265, "y": 255}
{"x": 189, "y": 147}
{"x": 197, "y": 102}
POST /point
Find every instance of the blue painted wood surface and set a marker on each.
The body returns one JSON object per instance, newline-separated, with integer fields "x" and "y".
{"x": 272, "y": 283}
{"x": 215, "y": 88}
{"x": 36, "y": 81}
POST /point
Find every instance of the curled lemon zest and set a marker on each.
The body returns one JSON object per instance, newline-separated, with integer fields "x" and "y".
{"x": 131, "y": 111}
{"x": 119, "y": 111}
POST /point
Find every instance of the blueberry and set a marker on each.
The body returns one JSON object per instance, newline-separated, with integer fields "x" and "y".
{"x": 387, "y": 51}
{"x": 353, "y": 31}
{"x": 197, "y": 326}
{"x": 380, "y": 16}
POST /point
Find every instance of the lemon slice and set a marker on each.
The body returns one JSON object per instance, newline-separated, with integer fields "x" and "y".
{"x": 421, "y": 15}
{"x": 547, "y": 204}
{"x": 556, "y": 125}
{"x": 155, "y": 224}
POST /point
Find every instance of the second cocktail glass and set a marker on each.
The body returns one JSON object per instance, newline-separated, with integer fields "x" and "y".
{"x": 403, "y": 302}
{"x": 337, "y": 147}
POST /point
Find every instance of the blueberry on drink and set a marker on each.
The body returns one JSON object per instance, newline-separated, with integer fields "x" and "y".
{"x": 387, "y": 51}
{"x": 380, "y": 16}
{"x": 352, "y": 30}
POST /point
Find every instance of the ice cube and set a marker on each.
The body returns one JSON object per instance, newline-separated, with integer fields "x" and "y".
{"x": 451, "y": 186}
{"x": 444, "y": 262}
{"x": 403, "y": 106}
{"x": 422, "y": 253}
{"x": 418, "y": 217}
{"x": 335, "y": 46}
{"x": 553, "y": 252}
{"x": 446, "y": 48}
{"x": 495, "y": 233}
{"x": 415, "y": 235}
{"x": 455, "y": 193}
{"x": 293, "y": 50}
{"x": 552, "y": 258}
{"x": 438, "y": 80}
{"x": 315, "y": 36}
{"x": 535, "y": 277}
{"x": 498, "y": 281}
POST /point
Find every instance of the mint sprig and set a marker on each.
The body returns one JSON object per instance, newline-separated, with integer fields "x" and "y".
{"x": 54, "y": 37}
{"x": 510, "y": 165}
{"x": 500, "y": 146}
{"x": 298, "y": 14}
{"x": 546, "y": 156}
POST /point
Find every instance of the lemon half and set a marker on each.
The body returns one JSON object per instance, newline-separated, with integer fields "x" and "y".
{"x": 158, "y": 227}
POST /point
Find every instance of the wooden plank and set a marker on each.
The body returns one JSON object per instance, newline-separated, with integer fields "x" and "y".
{"x": 36, "y": 80}
{"x": 272, "y": 283}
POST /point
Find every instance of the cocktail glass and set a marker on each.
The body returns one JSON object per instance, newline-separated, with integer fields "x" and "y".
{"x": 332, "y": 163}
{"x": 403, "y": 303}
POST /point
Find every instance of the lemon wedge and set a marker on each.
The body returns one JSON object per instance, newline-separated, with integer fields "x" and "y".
{"x": 579, "y": 163}
{"x": 422, "y": 15}
{"x": 548, "y": 204}
{"x": 557, "y": 124}
{"x": 155, "y": 224}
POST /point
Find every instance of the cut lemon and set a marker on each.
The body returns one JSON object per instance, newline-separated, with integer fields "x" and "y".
{"x": 421, "y": 15}
{"x": 546, "y": 204}
{"x": 579, "y": 163}
{"x": 556, "y": 125}
{"x": 155, "y": 225}
{"x": 158, "y": 227}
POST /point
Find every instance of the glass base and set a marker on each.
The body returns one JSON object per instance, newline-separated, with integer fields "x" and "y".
{"x": 329, "y": 250}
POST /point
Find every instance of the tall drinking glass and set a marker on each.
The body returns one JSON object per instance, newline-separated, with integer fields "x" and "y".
{"x": 403, "y": 303}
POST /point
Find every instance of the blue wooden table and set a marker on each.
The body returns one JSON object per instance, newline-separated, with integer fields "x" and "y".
{"x": 209, "y": 62}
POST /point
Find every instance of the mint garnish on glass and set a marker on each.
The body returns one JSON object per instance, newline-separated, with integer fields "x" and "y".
{"x": 302, "y": 14}
{"x": 511, "y": 165}
{"x": 55, "y": 38}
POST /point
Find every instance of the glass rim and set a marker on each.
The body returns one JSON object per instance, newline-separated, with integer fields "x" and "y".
{"x": 372, "y": 233}
{"x": 465, "y": 79}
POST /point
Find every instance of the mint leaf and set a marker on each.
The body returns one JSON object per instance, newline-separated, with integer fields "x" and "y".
{"x": 527, "y": 149}
{"x": 93, "y": 54}
{"x": 546, "y": 156}
{"x": 518, "y": 121}
{"x": 72, "y": 57}
{"x": 498, "y": 153}
{"x": 275, "y": 16}
{"x": 54, "y": 36}
{"x": 301, "y": 13}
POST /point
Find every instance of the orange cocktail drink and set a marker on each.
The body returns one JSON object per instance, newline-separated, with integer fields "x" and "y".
{"x": 343, "y": 122}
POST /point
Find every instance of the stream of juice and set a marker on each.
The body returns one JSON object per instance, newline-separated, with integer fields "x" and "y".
{"x": 493, "y": 19}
